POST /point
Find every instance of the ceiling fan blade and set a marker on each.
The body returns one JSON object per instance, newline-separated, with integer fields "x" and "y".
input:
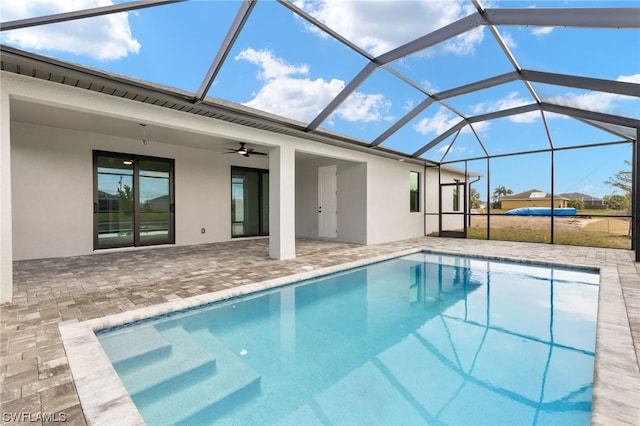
{"x": 258, "y": 153}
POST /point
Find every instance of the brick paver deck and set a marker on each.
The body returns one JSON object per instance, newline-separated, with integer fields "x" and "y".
{"x": 36, "y": 380}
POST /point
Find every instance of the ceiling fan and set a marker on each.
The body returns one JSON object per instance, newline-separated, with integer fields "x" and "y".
{"x": 247, "y": 152}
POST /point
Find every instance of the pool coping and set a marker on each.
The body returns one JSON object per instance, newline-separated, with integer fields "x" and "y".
{"x": 105, "y": 400}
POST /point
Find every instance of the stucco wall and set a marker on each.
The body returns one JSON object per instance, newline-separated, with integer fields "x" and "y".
{"x": 388, "y": 206}
{"x": 351, "y": 199}
{"x": 52, "y": 178}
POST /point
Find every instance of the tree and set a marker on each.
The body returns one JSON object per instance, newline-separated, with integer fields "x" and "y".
{"x": 125, "y": 198}
{"x": 621, "y": 180}
{"x": 576, "y": 204}
{"x": 474, "y": 198}
{"x": 615, "y": 202}
{"x": 500, "y": 191}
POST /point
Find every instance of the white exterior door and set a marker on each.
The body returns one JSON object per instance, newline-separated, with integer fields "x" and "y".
{"x": 328, "y": 202}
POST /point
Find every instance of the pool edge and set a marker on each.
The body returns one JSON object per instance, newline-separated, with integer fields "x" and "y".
{"x": 615, "y": 359}
{"x": 91, "y": 369}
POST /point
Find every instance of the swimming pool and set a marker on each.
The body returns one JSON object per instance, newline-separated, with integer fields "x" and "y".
{"x": 425, "y": 338}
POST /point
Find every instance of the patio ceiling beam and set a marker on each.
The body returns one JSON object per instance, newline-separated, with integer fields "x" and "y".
{"x": 445, "y": 33}
{"x": 619, "y": 17}
{"x": 304, "y": 15}
{"x": 344, "y": 94}
{"x": 484, "y": 117}
{"x": 478, "y": 85}
{"x": 458, "y": 126}
{"x": 234, "y": 31}
{"x": 620, "y": 131}
{"x": 590, "y": 115}
{"x": 81, "y": 14}
{"x": 404, "y": 120}
{"x": 597, "y": 84}
{"x": 505, "y": 49}
{"x": 523, "y": 109}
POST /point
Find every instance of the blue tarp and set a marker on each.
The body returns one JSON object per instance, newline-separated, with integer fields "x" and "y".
{"x": 542, "y": 211}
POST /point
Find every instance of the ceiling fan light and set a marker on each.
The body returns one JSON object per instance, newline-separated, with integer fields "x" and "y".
{"x": 242, "y": 151}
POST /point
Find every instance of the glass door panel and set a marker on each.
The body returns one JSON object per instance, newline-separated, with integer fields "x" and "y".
{"x": 114, "y": 206}
{"x": 249, "y": 202}
{"x": 133, "y": 200}
{"x": 155, "y": 202}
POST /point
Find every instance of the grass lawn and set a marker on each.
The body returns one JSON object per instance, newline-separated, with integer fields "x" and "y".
{"x": 586, "y": 237}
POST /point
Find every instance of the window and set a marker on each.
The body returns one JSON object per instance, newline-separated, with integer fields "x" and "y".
{"x": 414, "y": 191}
{"x": 249, "y": 202}
{"x": 456, "y": 196}
{"x": 133, "y": 200}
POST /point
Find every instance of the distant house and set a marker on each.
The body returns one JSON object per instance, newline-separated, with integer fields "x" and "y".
{"x": 159, "y": 204}
{"x": 588, "y": 200}
{"x": 532, "y": 198}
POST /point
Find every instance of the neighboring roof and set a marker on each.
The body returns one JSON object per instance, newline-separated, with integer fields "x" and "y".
{"x": 579, "y": 196}
{"x": 543, "y": 91}
{"x": 532, "y": 194}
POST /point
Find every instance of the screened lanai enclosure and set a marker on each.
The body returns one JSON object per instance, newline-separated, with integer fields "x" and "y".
{"x": 535, "y": 105}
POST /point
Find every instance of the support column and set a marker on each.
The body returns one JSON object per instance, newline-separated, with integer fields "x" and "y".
{"x": 6, "y": 251}
{"x": 282, "y": 206}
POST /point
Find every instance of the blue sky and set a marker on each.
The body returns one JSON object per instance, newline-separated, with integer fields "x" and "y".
{"x": 283, "y": 65}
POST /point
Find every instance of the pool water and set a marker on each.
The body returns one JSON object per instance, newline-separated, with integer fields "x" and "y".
{"x": 422, "y": 339}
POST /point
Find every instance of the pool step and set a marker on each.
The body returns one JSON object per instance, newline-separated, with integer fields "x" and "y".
{"x": 207, "y": 399}
{"x": 135, "y": 346}
{"x": 188, "y": 361}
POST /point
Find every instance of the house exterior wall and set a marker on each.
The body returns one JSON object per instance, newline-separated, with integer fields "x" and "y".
{"x": 388, "y": 202}
{"x": 50, "y": 184}
{"x": 541, "y": 202}
{"x": 52, "y": 177}
{"x": 351, "y": 198}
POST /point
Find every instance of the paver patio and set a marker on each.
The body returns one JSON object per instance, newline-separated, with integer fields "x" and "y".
{"x": 36, "y": 379}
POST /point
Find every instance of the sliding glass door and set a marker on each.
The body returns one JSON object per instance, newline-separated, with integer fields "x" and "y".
{"x": 249, "y": 202}
{"x": 133, "y": 200}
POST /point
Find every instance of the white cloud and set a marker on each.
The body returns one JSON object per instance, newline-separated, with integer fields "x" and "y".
{"x": 439, "y": 123}
{"x": 589, "y": 188}
{"x": 287, "y": 91}
{"x": 429, "y": 86}
{"x": 297, "y": 98}
{"x": 455, "y": 150}
{"x": 596, "y": 101}
{"x": 380, "y": 26}
{"x": 542, "y": 31}
{"x": 103, "y": 37}
{"x": 271, "y": 67}
{"x": 512, "y": 100}
{"x": 508, "y": 40}
{"x": 362, "y": 107}
{"x": 635, "y": 78}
